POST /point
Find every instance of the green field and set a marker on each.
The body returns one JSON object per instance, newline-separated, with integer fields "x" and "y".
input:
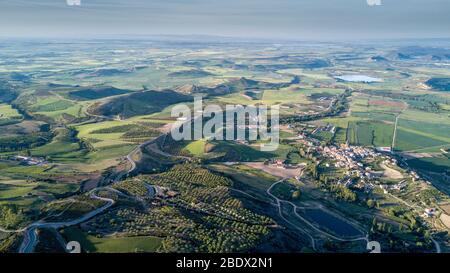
{"x": 140, "y": 103}
{"x": 96, "y": 93}
{"x": 271, "y": 97}
{"x": 9, "y": 115}
{"x": 51, "y": 104}
{"x": 15, "y": 189}
{"x": 91, "y": 243}
{"x": 57, "y": 108}
{"x": 370, "y": 133}
{"x": 372, "y": 124}
{"x": 83, "y": 107}
{"x": 94, "y": 133}
{"x": 324, "y": 136}
{"x": 74, "y": 111}
{"x": 434, "y": 130}
{"x": 410, "y": 141}
{"x": 63, "y": 145}
{"x": 7, "y": 112}
{"x": 233, "y": 152}
{"x": 197, "y": 147}
{"x": 434, "y": 164}
{"x": 375, "y": 115}
{"x": 26, "y": 195}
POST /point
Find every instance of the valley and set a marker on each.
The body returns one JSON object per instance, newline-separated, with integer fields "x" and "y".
{"x": 86, "y": 152}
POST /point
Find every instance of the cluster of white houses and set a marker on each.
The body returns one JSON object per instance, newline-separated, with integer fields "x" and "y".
{"x": 30, "y": 160}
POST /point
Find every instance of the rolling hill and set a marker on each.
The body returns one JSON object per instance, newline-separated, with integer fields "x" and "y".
{"x": 141, "y": 103}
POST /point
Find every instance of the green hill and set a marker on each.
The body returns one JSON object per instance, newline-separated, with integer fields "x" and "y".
{"x": 93, "y": 93}
{"x": 441, "y": 84}
{"x": 142, "y": 103}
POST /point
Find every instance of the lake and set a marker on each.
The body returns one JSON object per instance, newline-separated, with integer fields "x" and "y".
{"x": 358, "y": 78}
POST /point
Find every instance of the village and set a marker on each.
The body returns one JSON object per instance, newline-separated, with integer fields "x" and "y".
{"x": 30, "y": 161}
{"x": 364, "y": 168}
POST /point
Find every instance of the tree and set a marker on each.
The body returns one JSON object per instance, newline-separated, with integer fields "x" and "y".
{"x": 296, "y": 195}
{"x": 10, "y": 215}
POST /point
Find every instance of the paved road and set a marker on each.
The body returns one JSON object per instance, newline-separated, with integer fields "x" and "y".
{"x": 12, "y": 230}
{"x": 366, "y": 238}
{"x": 279, "y": 202}
{"x": 137, "y": 149}
{"x": 30, "y": 237}
{"x": 436, "y": 244}
{"x": 154, "y": 148}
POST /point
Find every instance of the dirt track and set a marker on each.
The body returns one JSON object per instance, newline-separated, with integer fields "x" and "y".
{"x": 274, "y": 170}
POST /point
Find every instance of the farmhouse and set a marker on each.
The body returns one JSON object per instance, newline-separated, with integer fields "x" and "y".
{"x": 30, "y": 160}
{"x": 429, "y": 212}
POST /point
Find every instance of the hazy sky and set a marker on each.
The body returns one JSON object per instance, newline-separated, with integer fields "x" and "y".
{"x": 293, "y": 19}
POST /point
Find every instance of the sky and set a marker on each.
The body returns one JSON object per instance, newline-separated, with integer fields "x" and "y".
{"x": 278, "y": 19}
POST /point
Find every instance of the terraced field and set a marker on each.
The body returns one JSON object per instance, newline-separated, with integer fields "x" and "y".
{"x": 75, "y": 120}
{"x": 9, "y": 115}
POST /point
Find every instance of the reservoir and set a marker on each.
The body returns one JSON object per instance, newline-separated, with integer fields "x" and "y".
{"x": 358, "y": 78}
{"x": 330, "y": 222}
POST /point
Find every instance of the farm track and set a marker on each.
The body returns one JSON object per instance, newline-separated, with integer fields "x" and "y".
{"x": 280, "y": 212}
{"x": 30, "y": 231}
{"x": 295, "y": 207}
{"x": 30, "y": 239}
{"x": 394, "y": 135}
{"x": 417, "y": 209}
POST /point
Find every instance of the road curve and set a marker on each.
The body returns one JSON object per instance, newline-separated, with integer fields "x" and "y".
{"x": 30, "y": 237}
{"x": 279, "y": 201}
{"x": 436, "y": 244}
{"x": 278, "y": 205}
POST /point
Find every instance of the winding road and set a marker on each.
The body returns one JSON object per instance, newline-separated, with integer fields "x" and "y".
{"x": 417, "y": 209}
{"x": 30, "y": 237}
{"x": 278, "y": 204}
{"x": 436, "y": 244}
{"x": 313, "y": 243}
{"x": 30, "y": 232}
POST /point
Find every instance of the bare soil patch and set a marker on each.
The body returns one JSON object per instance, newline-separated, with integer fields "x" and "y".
{"x": 391, "y": 173}
{"x": 274, "y": 170}
{"x": 387, "y": 103}
{"x": 445, "y": 220}
{"x": 446, "y": 208}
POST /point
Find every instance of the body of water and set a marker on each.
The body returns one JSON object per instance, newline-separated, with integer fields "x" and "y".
{"x": 330, "y": 222}
{"x": 358, "y": 78}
